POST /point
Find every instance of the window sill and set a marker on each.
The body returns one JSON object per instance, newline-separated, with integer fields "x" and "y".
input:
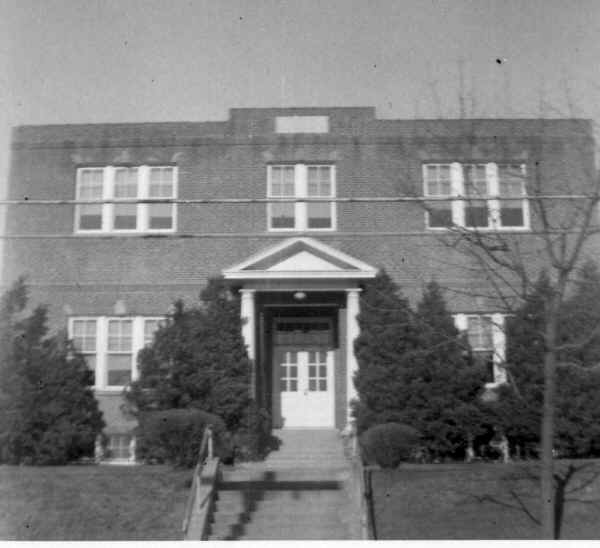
{"x": 118, "y": 462}
{"x": 109, "y": 390}
{"x": 121, "y": 233}
{"x": 485, "y": 229}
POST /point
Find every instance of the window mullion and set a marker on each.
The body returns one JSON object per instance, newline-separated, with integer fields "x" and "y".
{"x": 108, "y": 192}
{"x": 300, "y": 191}
{"x": 137, "y": 343}
{"x": 457, "y": 184}
{"x": 143, "y": 192}
{"x": 491, "y": 174}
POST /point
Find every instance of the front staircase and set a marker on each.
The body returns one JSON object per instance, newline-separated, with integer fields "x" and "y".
{"x": 301, "y": 491}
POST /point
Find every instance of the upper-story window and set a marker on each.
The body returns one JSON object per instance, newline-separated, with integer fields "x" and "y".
{"x": 121, "y": 186}
{"x": 479, "y": 196}
{"x": 301, "y": 181}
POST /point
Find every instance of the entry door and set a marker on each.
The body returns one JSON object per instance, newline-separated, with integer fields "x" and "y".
{"x": 306, "y": 386}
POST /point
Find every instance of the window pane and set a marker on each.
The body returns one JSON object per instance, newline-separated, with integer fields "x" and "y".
{"x": 485, "y": 358}
{"x": 90, "y": 216}
{"x": 312, "y": 385}
{"x": 322, "y": 371}
{"x": 78, "y": 328}
{"x": 476, "y": 213}
{"x": 118, "y": 446}
{"x": 119, "y": 336}
{"x": 84, "y": 335}
{"x": 118, "y": 368}
{"x": 293, "y": 386}
{"x": 150, "y": 328}
{"x": 511, "y": 213}
{"x": 480, "y": 333}
{"x": 125, "y": 216}
{"x": 161, "y": 182}
{"x": 90, "y": 359}
{"x": 312, "y": 371}
{"x": 126, "y": 183}
{"x": 439, "y": 215}
{"x": 319, "y": 215}
{"x": 90, "y": 184}
{"x": 282, "y": 215}
{"x": 283, "y": 385}
{"x": 293, "y": 371}
{"x": 319, "y": 181}
{"x": 282, "y": 181}
{"x": 322, "y": 385}
{"x": 160, "y": 216}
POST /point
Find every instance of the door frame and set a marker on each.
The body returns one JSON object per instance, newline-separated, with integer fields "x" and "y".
{"x": 276, "y": 403}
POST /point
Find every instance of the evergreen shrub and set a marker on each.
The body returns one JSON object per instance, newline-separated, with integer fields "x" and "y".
{"x": 173, "y": 436}
{"x": 390, "y": 444}
{"x": 48, "y": 413}
{"x": 253, "y": 440}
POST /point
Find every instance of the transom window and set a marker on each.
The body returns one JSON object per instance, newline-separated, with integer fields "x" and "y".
{"x": 121, "y": 186}
{"x": 301, "y": 181}
{"x": 110, "y": 346}
{"x": 479, "y": 196}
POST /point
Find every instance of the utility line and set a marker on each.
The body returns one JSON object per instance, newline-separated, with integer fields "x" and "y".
{"x": 319, "y": 199}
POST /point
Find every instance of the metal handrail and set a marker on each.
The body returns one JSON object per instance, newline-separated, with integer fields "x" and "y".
{"x": 206, "y": 446}
{"x": 367, "y": 518}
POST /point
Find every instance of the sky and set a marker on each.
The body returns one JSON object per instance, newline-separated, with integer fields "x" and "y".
{"x": 74, "y": 61}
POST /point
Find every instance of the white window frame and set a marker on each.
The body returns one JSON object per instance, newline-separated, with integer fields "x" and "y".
{"x": 461, "y": 321}
{"x": 130, "y": 459}
{"x": 459, "y": 200}
{"x": 301, "y": 191}
{"x": 143, "y": 192}
{"x": 138, "y": 342}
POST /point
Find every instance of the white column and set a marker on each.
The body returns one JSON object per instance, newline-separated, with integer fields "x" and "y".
{"x": 248, "y": 322}
{"x": 352, "y": 331}
{"x": 248, "y": 316}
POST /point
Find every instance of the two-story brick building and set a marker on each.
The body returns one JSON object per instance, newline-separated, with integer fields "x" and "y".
{"x": 122, "y": 219}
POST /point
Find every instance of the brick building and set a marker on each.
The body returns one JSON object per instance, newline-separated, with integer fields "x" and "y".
{"x": 109, "y": 271}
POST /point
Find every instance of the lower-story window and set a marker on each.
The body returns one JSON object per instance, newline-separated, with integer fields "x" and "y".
{"x": 121, "y": 447}
{"x": 110, "y": 346}
{"x": 485, "y": 333}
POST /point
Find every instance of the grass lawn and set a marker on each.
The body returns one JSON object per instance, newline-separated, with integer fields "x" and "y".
{"x": 92, "y": 502}
{"x": 476, "y": 501}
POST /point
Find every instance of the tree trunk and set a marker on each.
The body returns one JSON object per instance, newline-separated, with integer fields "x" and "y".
{"x": 547, "y": 461}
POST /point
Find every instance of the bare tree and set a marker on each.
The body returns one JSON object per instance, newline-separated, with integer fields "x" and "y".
{"x": 561, "y": 201}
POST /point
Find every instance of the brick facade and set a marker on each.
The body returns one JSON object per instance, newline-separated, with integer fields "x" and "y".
{"x": 89, "y": 275}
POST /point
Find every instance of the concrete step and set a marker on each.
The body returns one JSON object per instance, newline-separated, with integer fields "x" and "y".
{"x": 298, "y": 492}
{"x": 285, "y": 474}
{"x": 273, "y": 531}
{"x": 278, "y": 499}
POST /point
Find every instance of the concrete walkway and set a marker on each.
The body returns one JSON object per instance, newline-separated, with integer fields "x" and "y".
{"x": 299, "y": 492}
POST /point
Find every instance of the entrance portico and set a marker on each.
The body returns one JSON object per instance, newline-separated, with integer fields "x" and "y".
{"x": 299, "y": 303}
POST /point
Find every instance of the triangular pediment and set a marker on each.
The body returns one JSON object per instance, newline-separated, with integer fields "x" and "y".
{"x": 300, "y": 258}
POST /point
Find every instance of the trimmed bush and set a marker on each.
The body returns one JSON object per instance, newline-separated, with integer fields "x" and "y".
{"x": 389, "y": 444}
{"x": 173, "y": 436}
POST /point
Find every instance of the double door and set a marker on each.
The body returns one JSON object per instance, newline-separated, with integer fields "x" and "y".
{"x": 304, "y": 377}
